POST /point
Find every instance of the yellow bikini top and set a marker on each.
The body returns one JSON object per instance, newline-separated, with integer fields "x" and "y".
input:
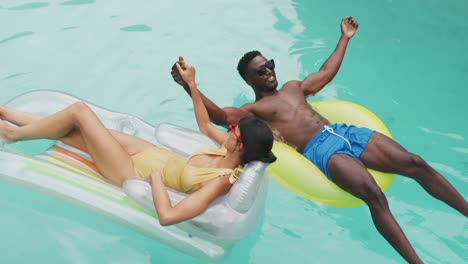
{"x": 179, "y": 175}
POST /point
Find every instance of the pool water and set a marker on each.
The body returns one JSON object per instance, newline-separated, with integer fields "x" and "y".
{"x": 407, "y": 64}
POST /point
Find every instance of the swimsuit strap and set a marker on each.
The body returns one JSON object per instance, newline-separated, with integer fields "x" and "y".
{"x": 235, "y": 175}
{"x": 330, "y": 130}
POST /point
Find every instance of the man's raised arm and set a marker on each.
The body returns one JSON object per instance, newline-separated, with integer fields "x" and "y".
{"x": 219, "y": 116}
{"x": 316, "y": 81}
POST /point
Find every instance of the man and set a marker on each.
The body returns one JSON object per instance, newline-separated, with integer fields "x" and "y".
{"x": 342, "y": 152}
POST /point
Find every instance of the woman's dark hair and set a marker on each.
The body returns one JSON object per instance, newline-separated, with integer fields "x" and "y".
{"x": 257, "y": 139}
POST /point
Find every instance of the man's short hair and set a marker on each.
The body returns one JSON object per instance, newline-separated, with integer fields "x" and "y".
{"x": 244, "y": 61}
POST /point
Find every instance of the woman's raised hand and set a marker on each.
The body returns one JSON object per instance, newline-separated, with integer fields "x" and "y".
{"x": 187, "y": 72}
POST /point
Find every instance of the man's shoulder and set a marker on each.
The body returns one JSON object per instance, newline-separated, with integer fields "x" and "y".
{"x": 253, "y": 107}
{"x": 292, "y": 84}
{"x": 248, "y": 106}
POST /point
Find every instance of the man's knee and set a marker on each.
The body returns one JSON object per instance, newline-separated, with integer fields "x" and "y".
{"x": 415, "y": 160}
{"x": 415, "y": 165}
{"x": 373, "y": 196}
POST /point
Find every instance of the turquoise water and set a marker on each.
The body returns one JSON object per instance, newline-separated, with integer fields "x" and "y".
{"x": 407, "y": 64}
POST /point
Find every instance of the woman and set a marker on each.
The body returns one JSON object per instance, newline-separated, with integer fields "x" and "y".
{"x": 205, "y": 175}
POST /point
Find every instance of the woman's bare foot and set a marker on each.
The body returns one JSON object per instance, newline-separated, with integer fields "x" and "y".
{"x": 6, "y": 132}
{"x": 2, "y": 112}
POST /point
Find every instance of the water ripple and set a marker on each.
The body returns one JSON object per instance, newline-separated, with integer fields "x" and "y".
{"x": 430, "y": 239}
{"x": 166, "y": 101}
{"x": 15, "y": 36}
{"x": 15, "y": 75}
{"x": 78, "y": 2}
{"x": 307, "y": 46}
{"x": 69, "y": 28}
{"x": 136, "y": 28}
{"x": 450, "y": 135}
{"x": 287, "y": 231}
{"x": 282, "y": 23}
{"x": 449, "y": 170}
{"x": 29, "y": 6}
{"x": 461, "y": 150}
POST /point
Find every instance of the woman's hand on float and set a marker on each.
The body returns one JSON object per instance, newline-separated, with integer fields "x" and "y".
{"x": 148, "y": 179}
{"x": 154, "y": 177}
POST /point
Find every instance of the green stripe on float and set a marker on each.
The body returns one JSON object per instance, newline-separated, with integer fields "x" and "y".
{"x": 71, "y": 179}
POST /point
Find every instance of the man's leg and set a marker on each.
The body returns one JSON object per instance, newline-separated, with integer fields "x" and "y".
{"x": 384, "y": 154}
{"x": 352, "y": 176}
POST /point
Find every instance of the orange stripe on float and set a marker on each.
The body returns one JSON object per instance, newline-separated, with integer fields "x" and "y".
{"x": 70, "y": 154}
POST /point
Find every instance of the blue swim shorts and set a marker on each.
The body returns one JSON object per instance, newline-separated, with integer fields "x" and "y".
{"x": 335, "y": 139}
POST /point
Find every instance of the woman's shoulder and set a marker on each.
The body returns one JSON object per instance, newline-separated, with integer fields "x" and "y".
{"x": 211, "y": 150}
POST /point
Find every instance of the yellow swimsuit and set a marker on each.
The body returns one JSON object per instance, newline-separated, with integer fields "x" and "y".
{"x": 177, "y": 174}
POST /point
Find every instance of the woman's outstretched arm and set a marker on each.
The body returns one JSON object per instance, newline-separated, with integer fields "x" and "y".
{"x": 191, "y": 206}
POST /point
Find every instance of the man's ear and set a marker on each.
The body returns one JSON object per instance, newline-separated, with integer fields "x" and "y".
{"x": 249, "y": 82}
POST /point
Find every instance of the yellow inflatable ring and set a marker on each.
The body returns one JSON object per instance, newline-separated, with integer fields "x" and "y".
{"x": 300, "y": 176}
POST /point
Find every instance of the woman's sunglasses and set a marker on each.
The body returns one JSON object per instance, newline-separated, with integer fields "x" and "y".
{"x": 232, "y": 129}
{"x": 261, "y": 70}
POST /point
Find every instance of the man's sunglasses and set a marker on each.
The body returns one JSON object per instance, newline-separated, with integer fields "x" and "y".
{"x": 232, "y": 129}
{"x": 261, "y": 70}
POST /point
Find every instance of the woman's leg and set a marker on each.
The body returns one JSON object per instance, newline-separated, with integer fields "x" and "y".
{"x": 384, "y": 154}
{"x": 112, "y": 160}
{"x": 17, "y": 117}
{"x": 352, "y": 176}
{"x": 131, "y": 144}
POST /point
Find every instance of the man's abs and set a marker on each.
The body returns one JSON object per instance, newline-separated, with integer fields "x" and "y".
{"x": 289, "y": 115}
{"x": 298, "y": 127}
